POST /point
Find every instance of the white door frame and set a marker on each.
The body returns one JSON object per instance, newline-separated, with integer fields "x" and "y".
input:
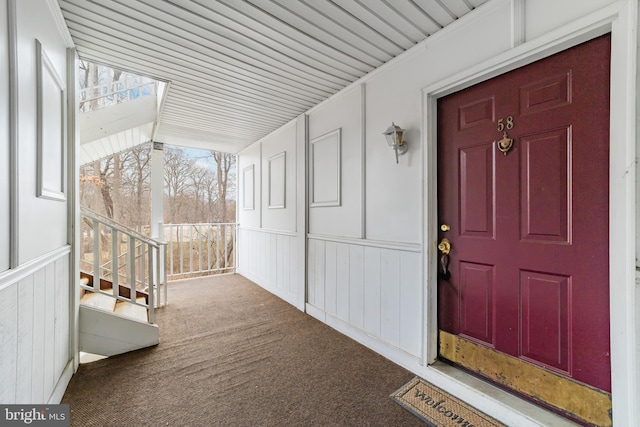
{"x": 621, "y": 20}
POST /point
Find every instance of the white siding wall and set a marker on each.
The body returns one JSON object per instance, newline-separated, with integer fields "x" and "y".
{"x": 36, "y": 333}
{"x": 34, "y": 330}
{"x": 270, "y": 232}
{"x": 373, "y": 288}
{"x": 270, "y": 259}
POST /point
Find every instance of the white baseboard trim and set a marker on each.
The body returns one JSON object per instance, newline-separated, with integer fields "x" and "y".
{"x": 61, "y": 385}
{"x": 395, "y": 354}
{"x": 503, "y": 406}
{"x": 315, "y": 312}
{"x": 280, "y": 293}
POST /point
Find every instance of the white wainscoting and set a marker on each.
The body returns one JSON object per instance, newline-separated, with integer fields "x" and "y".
{"x": 371, "y": 287}
{"x": 35, "y": 356}
{"x": 270, "y": 259}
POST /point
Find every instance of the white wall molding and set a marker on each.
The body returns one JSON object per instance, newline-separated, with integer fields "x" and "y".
{"x": 269, "y": 231}
{"x": 621, "y": 19}
{"x": 277, "y": 181}
{"x": 517, "y": 22}
{"x": 12, "y": 276}
{"x": 363, "y": 148}
{"x": 406, "y": 247}
{"x": 14, "y": 169}
{"x": 54, "y": 7}
{"x": 302, "y": 212}
{"x": 325, "y": 170}
{"x": 249, "y": 188}
{"x": 51, "y": 129}
{"x": 73, "y": 205}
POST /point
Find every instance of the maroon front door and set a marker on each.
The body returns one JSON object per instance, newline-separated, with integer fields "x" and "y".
{"x": 528, "y": 270}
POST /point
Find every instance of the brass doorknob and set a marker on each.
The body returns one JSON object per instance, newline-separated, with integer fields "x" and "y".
{"x": 444, "y": 246}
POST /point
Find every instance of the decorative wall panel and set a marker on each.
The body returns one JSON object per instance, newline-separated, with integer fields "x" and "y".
{"x": 326, "y": 175}
{"x": 277, "y": 180}
{"x": 51, "y": 102}
{"x": 248, "y": 188}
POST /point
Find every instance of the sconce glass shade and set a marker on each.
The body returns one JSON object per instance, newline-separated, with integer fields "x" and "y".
{"x": 394, "y": 135}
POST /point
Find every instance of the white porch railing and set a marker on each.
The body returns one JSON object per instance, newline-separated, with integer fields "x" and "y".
{"x": 116, "y": 92}
{"x": 200, "y": 249}
{"x": 132, "y": 262}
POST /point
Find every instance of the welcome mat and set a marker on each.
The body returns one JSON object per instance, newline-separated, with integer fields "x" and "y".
{"x": 438, "y": 408}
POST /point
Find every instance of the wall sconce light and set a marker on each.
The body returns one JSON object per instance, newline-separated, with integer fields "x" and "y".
{"x": 394, "y": 135}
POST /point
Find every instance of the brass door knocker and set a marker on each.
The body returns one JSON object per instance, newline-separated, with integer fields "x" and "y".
{"x": 505, "y": 144}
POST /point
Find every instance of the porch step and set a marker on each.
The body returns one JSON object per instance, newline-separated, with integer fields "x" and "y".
{"x": 128, "y": 309}
{"x": 97, "y": 300}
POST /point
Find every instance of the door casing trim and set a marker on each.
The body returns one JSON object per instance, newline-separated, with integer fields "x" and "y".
{"x": 620, "y": 19}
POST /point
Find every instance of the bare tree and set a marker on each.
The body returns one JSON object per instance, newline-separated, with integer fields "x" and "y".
{"x": 224, "y": 163}
{"x": 177, "y": 169}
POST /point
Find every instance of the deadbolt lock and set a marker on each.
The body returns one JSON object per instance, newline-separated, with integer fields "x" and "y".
{"x": 445, "y": 227}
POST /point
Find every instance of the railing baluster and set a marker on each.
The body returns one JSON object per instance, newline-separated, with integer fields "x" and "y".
{"x": 218, "y": 247}
{"x": 226, "y": 250}
{"x": 171, "y": 249}
{"x": 164, "y": 277}
{"x": 96, "y": 255}
{"x": 209, "y": 231}
{"x": 219, "y": 240}
{"x": 181, "y": 254}
{"x": 235, "y": 248}
{"x": 131, "y": 280}
{"x": 199, "y": 231}
{"x": 115, "y": 265}
{"x": 191, "y": 248}
{"x": 151, "y": 303}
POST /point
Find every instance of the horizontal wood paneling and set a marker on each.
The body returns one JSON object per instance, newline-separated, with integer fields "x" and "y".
{"x": 374, "y": 289}
{"x": 35, "y": 333}
{"x": 270, "y": 259}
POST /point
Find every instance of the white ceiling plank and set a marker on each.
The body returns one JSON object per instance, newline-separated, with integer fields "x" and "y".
{"x": 367, "y": 13}
{"x": 206, "y": 118}
{"x": 277, "y": 33}
{"x": 331, "y": 19}
{"x": 437, "y": 10}
{"x": 252, "y": 39}
{"x": 416, "y": 16}
{"x": 350, "y": 46}
{"x": 151, "y": 37}
{"x": 193, "y": 83}
{"x": 187, "y": 30}
{"x": 458, "y": 7}
{"x": 175, "y": 59}
{"x": 241, "y": 69}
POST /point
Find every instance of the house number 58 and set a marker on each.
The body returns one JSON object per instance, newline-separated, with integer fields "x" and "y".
{"x": 505, "y": 124}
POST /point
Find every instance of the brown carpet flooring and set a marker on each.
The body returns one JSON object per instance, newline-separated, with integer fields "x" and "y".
{"x": 232, "y": 354}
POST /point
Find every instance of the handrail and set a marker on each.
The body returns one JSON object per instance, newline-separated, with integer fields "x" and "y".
{"x": 142, "y": 258}
{"x": 83, "y": 91}
{"x": 122, "y": 228}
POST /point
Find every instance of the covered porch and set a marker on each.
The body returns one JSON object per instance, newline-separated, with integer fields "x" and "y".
{"x": 233, "y": 354}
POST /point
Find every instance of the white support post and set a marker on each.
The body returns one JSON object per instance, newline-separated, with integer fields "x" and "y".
{"x": 157, "y": 206}
{"x": 157, "y": 188}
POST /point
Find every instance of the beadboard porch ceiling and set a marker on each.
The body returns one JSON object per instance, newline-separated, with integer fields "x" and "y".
{"x": 239, "y": 69}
